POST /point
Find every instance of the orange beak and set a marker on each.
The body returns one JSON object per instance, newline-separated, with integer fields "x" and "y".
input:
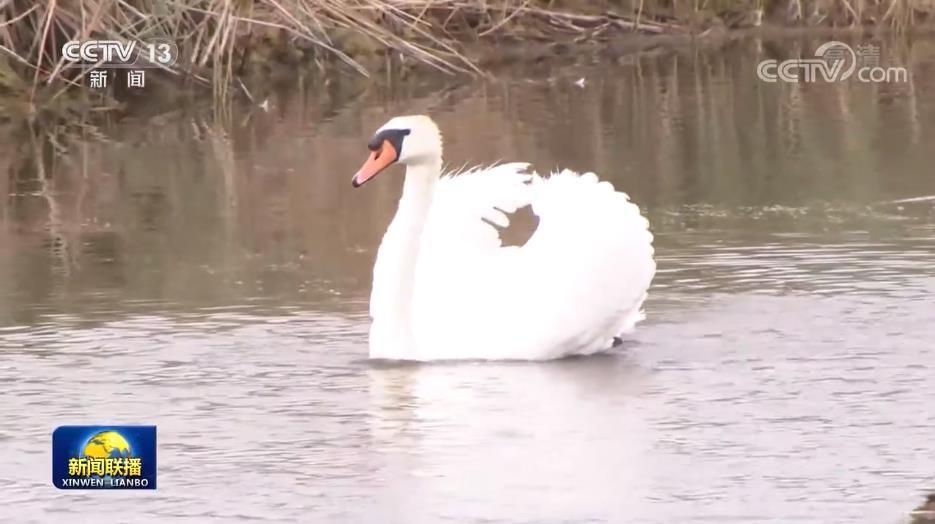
{"x": 378, "y": 161}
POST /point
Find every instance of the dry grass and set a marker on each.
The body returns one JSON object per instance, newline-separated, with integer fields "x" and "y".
{"x": 217, "y": 37}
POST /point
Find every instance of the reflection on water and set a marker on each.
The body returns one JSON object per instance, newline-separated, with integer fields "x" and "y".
{"x": 213, "y": 278}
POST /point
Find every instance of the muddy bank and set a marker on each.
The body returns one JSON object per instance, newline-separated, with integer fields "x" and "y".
{"x": 218, "y": 40}
{"x": 245, "y": 51}
{"x": 77, "y": 115}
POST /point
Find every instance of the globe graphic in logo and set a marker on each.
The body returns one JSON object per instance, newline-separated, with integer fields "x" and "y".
{"x": 106, "y": 444}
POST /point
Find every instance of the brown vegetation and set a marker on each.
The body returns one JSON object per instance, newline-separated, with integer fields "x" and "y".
{"x": 223, "y": 39}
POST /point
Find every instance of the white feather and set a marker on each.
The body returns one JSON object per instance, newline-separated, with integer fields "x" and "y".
{"x": 578, "y": 282}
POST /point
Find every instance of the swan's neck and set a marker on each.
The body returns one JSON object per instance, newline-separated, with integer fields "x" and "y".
{"x": 395, "y": 268}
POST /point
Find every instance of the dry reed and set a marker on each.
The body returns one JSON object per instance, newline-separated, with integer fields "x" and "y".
{"x": 217, "y": 37}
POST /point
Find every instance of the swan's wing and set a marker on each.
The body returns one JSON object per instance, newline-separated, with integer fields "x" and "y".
{"x": 465, "y": 205}
{"x": 594, "y": 256}
{"x": 461, "y": 266}
{"x": 577, "y": 282}
{"x": 461, "y": 260}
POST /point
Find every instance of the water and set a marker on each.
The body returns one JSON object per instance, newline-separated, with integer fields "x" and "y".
{"x": 210, "y": 275}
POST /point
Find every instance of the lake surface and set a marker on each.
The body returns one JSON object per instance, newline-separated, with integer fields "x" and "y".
{"x": 209, "y": 273}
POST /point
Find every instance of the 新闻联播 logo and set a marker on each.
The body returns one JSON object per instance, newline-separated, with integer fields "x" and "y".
{"x": 104, "y": 457}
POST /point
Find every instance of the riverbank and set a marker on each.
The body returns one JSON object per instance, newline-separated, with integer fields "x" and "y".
{"x": 434, "y": 33}
{"x": 240, "y": 48}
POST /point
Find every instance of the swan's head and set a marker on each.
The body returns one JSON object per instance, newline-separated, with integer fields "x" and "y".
{"x": 407, "y": 140}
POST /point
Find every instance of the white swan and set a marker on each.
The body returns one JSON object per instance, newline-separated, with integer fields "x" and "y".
{"x": 444, "y": 287}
